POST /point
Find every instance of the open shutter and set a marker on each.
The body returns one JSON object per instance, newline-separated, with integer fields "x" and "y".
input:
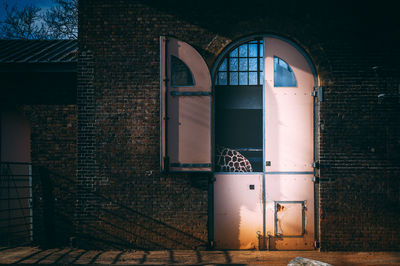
{"x": 185, "y": 108}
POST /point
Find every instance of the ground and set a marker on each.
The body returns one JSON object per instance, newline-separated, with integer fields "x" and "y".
{"x": 67, "y": 256}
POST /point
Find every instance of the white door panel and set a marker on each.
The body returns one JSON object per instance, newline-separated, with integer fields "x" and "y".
{"x": 237, "y": 210}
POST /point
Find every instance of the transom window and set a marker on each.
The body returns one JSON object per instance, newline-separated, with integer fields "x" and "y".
{"x": 243, "y": 66}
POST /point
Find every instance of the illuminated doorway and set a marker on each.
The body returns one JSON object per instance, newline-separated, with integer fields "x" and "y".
{"x": 264, "y": 139}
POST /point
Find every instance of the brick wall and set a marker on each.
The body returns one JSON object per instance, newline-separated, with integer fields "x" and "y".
{"x": 53, "y": 155}
{"x": 360, "y": 150}
{"x": 126, "y": 202}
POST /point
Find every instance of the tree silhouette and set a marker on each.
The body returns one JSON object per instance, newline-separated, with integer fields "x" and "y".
{"x": 62, "y": 20}
{"x": 31, "y": 22}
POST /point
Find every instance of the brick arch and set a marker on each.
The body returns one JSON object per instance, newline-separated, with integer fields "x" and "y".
{"x": 304, "y": 35}
{"x": 226, "y": 47}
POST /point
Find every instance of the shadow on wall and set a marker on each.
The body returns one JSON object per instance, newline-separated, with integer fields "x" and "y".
{"x": 53, "y": 208}
{"x": 102, "y": 223}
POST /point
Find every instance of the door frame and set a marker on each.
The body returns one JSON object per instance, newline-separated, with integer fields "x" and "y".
{"x": 235, "y": 43}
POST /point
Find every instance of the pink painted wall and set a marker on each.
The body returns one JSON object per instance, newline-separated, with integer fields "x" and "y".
{"x": 15, "y": 138}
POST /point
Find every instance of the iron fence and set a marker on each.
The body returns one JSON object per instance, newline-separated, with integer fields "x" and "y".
{"x": 16, "y": 217}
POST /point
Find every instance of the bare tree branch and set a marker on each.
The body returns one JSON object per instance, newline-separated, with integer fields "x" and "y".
{"x": 23, "y": 24}
{"x": 59, "y": 22}
{"x": 62, "y": 20}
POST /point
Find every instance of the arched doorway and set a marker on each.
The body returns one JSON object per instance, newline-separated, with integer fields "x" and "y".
{"x": 264, "y": 139}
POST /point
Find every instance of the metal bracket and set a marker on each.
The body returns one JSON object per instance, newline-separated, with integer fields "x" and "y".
{"x": 315, "y": 164}
{"x": 318, "y": 92}
{"x": 268, "y": 163}
{"x": 315, "y": 179}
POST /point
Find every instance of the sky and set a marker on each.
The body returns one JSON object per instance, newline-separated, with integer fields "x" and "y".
{"x": 44, "y": 4}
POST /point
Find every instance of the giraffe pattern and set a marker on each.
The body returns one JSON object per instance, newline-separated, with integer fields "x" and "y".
{"x": 229, "y": 160}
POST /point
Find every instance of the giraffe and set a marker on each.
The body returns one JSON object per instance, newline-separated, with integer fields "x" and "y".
{"x": 229, "y": 160}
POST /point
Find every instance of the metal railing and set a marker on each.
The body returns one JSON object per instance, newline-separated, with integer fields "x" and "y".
{"x": 16, "y": 217}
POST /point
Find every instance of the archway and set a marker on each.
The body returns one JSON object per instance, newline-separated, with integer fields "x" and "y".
{"x": 264, "y": 138}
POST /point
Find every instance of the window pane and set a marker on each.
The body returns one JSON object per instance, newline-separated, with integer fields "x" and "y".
{"x": 244, "y": 58}
{"x": 261, "y": 50}
{"x": 233, "y": 64}
{"x": 222, "y": 78}
{"x": 253, "y": 64}
{"x": 253, "y": 50}
{"x": 180, "y": 73}
{"x": 243, "y": 64}
{"x": 243, "y": 50}
{"x": 234, "y": 53}
{"x": 252, "y": 78}
{"x": 222, "y": 67}
{"x": 283, "y": 74}
{"x": 243, "y": 78}
{"x": 233, "y": 78}
{"x": 261, "y": 78}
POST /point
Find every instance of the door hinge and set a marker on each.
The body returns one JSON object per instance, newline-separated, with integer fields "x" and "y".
{"x": 315, "y": 179}
{"x": 315, "y": 165}
{"x": 316, "y": 244}
{"x": 319, "y": 93}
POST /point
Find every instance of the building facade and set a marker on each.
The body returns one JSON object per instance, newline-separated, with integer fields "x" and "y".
{"x": 231, "y": 126}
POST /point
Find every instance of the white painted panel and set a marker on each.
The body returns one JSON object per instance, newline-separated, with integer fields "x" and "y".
{"x": 237, "y": 211}
{"x": 289, "y": 219}
{"x": 15, "y": 138}
{"x": 186, "y": 123}
{"x": 290, "y": 188}
{"x": 288, "y": 111}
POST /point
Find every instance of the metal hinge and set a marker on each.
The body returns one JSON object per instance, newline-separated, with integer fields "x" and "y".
{"x": 315, "y": 165}
{"x": 316, "y": 244}
{"x": 318, "y": 92}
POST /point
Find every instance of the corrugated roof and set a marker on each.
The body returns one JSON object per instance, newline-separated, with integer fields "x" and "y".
{"x": 38, "y": 51}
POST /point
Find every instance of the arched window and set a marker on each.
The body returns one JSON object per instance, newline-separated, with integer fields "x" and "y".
{"x": 180, "y": 73}
{"x": 243, "y": 65}
{"x": 239, "y": 106}
{"x": 283, "y": 74}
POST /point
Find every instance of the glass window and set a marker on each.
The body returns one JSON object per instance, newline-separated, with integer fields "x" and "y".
{"x": 243, "y": 65}
{"x": 252, "y": 78}
{"x": 253, "y": 50}
{"x": 233, "y": 78}
{"x": 222, "y": 78}
{"x": 233, "y": 64}
{"x": 243, "y": 50}
{"x": 239, "y": 110}
{"x": 243, "y": 78}
{"x": 223, "y": 66}
{"x": 180, "y": 73}
{"x": 283, "y": 74}
{"x": 253, "y": 64}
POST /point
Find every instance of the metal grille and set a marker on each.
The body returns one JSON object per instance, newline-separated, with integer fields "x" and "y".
{"x": 16, "y": 203}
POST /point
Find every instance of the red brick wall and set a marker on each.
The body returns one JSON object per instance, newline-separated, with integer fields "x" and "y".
{"x": 124, "y": 201}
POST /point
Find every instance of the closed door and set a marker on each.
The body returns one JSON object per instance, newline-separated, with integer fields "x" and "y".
{"x": 288, "y": 147}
